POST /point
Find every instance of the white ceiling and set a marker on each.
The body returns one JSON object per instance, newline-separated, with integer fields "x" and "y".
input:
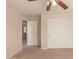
{"x": 26, "y": 7}
{"x": 35, "y": 7}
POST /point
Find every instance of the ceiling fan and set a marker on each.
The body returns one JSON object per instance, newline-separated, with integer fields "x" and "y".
{"x": 54, "y": 2}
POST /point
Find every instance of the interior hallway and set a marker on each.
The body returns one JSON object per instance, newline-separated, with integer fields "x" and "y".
{"x": 36, "y": 53}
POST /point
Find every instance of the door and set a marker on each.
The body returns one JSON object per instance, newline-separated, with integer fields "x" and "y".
{"x": 60, "y": 33}
{"x": 32, "y": 39}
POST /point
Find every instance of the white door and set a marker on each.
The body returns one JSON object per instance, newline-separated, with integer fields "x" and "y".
{"x": 60, "y": 33}
{"x": 32, "y": 33}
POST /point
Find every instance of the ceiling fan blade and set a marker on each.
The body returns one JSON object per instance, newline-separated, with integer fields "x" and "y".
{"x": 48, "y": 7}
{"x": 31, "y": 0}
{"x": 63, "y": 5}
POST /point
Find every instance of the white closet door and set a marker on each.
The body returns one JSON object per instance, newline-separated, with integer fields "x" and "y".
{"x": 32, "y": 33}
{"x": 60, "y": 33}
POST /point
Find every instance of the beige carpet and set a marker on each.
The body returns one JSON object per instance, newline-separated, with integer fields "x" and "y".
{"x": 37, "y": 53}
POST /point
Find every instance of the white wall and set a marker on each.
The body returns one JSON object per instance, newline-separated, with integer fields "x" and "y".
{"x": 60, "y": 33}
{"x": 32, "y": 31}
{"x": 13, "y": 29}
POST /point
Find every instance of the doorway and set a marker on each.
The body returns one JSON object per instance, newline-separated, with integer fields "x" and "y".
{"x": 30, "y": 34}
{"x": 24, "y": 33}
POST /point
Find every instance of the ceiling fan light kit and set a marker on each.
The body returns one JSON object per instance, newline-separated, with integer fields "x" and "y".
{"x": 54, "y": 3}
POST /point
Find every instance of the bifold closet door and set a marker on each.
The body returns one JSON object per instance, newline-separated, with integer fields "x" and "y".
{"x": 60, "y": 33}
